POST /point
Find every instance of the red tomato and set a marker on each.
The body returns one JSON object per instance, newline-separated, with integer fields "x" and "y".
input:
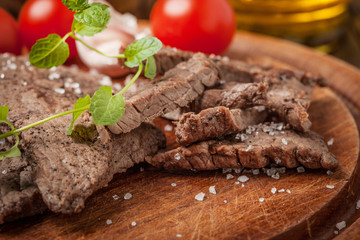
{"x": 39, "y": 18}
{"x": 196, "y": 25}
{"x": 10, "y": 38}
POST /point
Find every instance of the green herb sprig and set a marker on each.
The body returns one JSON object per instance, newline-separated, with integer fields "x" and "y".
{"x": 52, "y": 51}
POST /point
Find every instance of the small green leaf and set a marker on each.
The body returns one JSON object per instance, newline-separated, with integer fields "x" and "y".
{"x": 105, "y": 108}
{"x": 140, "y": 50}
{"x": 80, "y": 103}
{"x": 14, "y": 151}
{"x": 49, "y": 52}
{"x": 4, "y": 110}
{"x": 92, "y": 20}
{"x": 150, "y": 67}
{"x": 75, "y": 5}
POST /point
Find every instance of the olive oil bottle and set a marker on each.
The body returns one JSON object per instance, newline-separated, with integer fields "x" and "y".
{"x": 317, "y": 23}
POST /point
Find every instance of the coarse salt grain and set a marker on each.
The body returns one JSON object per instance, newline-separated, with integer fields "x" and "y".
{"x": 106, "y": 81}
{"x": 243, "y": 137}
{"x": 273, "y": 190}
{"x": 200, "y": 196}
{"x": 24, "y": 83}
{"x": 336, "y": 232}
{"x": 284, "y": 141}
{"x": 128, "y": 196}
{"x": 168, "y": 128}
{"x": 330, "y": 186}
{"x": 53, "y": 76}
{"x": 12, "y": 66}
{"x": 281, "y": 190}
{"x": 229, "y": 176}
{"x": 243, "y": 179}
{"x": 178, "y": 235}
{"x": 177, "y": 156}
{"x": 237, "y": 170}
{"x": 53, "y": 69}
{"x": 300, "y": 169}
{"x": 133, "y": 224}
{"x": 108, "y": 222}
{"x": 358, "y": 204}
{"x": 237, "y": 182}
{"x": 141, "y": 169}
{"x": 59, "y": 90}
{"x": 329, "y": 172}
{"x": 250, "y": 147}
{"x": 116, "y": 197}
{"x": 117, "y": 86}
{"x": 212, "y": 189}
{"x": 78, "y": 91}
{"x": 288, "y": 191}
{"x": 261, "y": 199}
{"x": 225, "y": 201}
{"x": 173, "y": 184}
{"x": 242, "y": 185}
{"x": 341, "y": 225}
{"x": 256, "y": 171}
{"x": 276, "y": 176}
{"x": 330, "y": 142}
{"x": 277, "y": 160}
{"x": 2, "y": 76}
{"x": 4, "y": 172}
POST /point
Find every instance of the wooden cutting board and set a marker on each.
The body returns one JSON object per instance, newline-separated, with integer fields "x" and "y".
{"x": 311, "y": 208}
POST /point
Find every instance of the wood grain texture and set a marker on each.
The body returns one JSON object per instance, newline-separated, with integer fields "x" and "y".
{"x": 162, "y": 211}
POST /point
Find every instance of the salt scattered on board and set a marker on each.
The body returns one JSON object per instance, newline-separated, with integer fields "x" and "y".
{"x": 281, "y": 190}
{"x": 330, "y": 142}
{"x": 133, "y": 224}
{"x": 128, "y": 196}
{"x": 168, "y": 128}
{"x": 173, "y": 184}
{"x": 116, "y": 197}
{"x": 330, "y": 186}
{"x": 273, "y": 190}
{"x": 212, "y": 189}
{"x": 341, "y": 225}
{"x": 177, "y": 156}
{"x": 300, "y": 169}
{"x": 200, "y": 196}
{"x": 178, "y": 235}
{"x": 358, "y": 204}
{"x": 261, "y": 199}
{"x": 229, "y": 176}
{"x": 243, "y": 179}
{"x": 108, "y": 222}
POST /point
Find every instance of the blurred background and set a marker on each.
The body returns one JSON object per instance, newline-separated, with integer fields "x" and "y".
{"x": 330, "y": 26}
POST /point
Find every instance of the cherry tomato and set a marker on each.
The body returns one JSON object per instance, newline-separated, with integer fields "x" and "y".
{"x": 10, "y": 37}
{"x": 196, "y": 25}
{"x": 39, "y": 18}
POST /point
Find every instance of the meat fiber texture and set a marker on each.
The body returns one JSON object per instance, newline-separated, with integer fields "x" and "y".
{"x": 177, "y": 88}
{"x": 255, "y": 147}
{"x": 56, "y": 171}
{"x": 215, "y": 123}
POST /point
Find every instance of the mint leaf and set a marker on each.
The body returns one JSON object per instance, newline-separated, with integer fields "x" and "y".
{"x": 140, "y": 50}
{"x": 49, "y": 52}
{"x": 105, "y": 108}
{"x": 150, "y": 67}
{"x": 92, "y": 20}
{"x": 4, "y": 110}
{"x": 80, "y": 103}
{"x": 14, "y": 151}
{"x": 75, "y": 5}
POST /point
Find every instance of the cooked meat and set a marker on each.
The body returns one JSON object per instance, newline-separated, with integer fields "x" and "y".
{"x": 55, "y": 170}
{"x": 214, "y": 123}
{"x": 255, "y": 147}
{"x": 241, "y": 95}
{"x": 168, "y": 57}
{"x": 179, "y": 87}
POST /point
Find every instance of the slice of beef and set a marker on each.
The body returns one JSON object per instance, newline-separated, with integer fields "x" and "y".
{"x": 168, "y": 57}
{"x": 56, "y": 171}
{"x": 179, "y": 86}
{"x": 240, "y": 95}
{"x": 255, "y": 147}
{"x": 214, "y": 123}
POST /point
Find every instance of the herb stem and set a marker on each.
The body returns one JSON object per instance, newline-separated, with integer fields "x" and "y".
{"x": 11, "y": 133}
{"x": 94, "y": 49}
{"x": 136, "y": 76}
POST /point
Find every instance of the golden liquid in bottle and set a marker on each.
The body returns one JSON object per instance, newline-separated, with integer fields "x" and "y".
{"x": 314, "y": 22}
